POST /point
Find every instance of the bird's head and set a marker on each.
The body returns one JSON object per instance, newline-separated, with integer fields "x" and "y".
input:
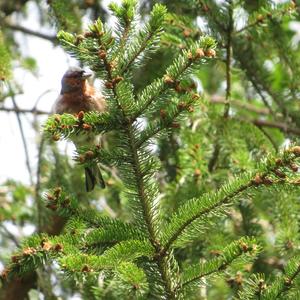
{"x": 74, "y": 80}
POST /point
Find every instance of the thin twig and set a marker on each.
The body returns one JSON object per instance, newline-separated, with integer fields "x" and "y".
{"x": 216, "y": 99}
{"x": 10, "y": 235}
{"x": 38, "y": 182}
{"x": 22, "y": 136}
{"x": 24, "y": 111}
{"x": 51, "y": 38}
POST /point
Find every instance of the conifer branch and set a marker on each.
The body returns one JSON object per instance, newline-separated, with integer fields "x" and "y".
{"x": 231, "y": 253}
{"x": 220, "y": 202}
{"x": 197, "y": 208}
{"x": 284, "y": 282}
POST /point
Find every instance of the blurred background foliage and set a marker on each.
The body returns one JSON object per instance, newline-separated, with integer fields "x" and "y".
{"x": 197, "y": 157}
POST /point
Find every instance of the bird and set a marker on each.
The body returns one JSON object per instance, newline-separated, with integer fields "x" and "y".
{"x": 77, "y": 95}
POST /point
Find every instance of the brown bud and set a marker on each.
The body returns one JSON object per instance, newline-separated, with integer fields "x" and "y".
{"x": 178, "y": 88}
{"x": 181, "y": 105}
{"x": 168, "y": 79}
{"x": 29, "y": 251}
{"x": 288, "y": 281}
{"x": 52, "y": 206}
{"x": 50, "y": 197}
{"x": 89, "y": 2}
{"x": 197, "y": 173}
{"x": 187, "y": 32}
{"x": 4, "y": 273}
{"x": 81, "y": 158}
{"x": 197, "y": 146}
{"x": 46, "y": 246}
{"x": 293, "y": 167}
{"x": 109, "y": 85}
{"x": 57, "y": 191}
{"x": 257, "y": 179}
{"x": 88, "y": 34}
{"x": 79, "y": 39}
{"x": 58, "y": 247}
{"x": 102, "y": 54}
{"x": 190, "y": 55}
{"x": 162, "y": 113}
{"x": 267, "y": 181}
{"x": 278, "y": 162}
{"x": 55, "y": 137}
{"x": 86, "y": 126}
{"x": 279, "y": 173}
{"x": 57, "y": 118}
{"x": 175, "y": 125}
{"x": 296, "y": 150}
{"x": 117, "y": 79}
{"x": 86, "y": 269}
{"x": 15, "y": 258}
{"x": 80, "y": 115}
{"x": 195, "y": 96}
{"x": 260, "y": 18}
{"x": 244, "y": 247}
{"x": 89, "y": 154}
{"x": 210, "y": 53}
{"x": 199, "y": 53}
{"x": 239, "y": 278}
{"x": 191, "y": 109}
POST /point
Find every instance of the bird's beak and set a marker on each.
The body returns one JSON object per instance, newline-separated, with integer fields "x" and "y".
{"x": 86, "y": 75}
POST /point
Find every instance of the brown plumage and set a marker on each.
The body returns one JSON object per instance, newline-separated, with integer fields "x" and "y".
{"x": 78, "y": 95}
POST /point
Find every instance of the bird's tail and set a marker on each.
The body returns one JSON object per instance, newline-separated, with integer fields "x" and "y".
{"x": 93, "y": 176}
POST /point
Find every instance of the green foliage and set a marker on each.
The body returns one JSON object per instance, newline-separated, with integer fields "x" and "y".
{"x": 5, "y": 60}
{"x": 66, "y": 14}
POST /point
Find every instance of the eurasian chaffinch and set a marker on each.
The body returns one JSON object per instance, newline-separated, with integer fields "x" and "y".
{"x": 78, "y": 95}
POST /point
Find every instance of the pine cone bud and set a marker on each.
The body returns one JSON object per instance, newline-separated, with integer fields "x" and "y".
{"x": 187, "y": 32}
{"x": 15, "y": 258}
{"x": 58, "y": 247}
{"x": 279, "y": 173}
{"x": 162, "y": 113}
{"x": 181, "y": 105}
{"x": 55, "y": 137}
{"x": 89, "y": 34}
{"x": 268, "y": 181}
{"x": 197, "y": 173}
{"x": 102, "y": 54}
{"x": 80, "y": 115}
{"x": 293, "y": 167}
{"x": 57, "y": 191}
{"x": 86, "y": 269}
{"x": 79, "y": 39}
{"x": 210, "y": 53}
{"x": 244, "y": 247}
{"x": 168, "y": 79}
{"x": 199, "y": 53}
{"x": 86, "y": 126}
{"x": 175, "y": 125}
{"x": 190, "y": 55}
{"x": 109, "y": 85}
{"x": 257, "y": 179}
{"x": 117, "y": 79}
{"x": 89, "y": 154}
